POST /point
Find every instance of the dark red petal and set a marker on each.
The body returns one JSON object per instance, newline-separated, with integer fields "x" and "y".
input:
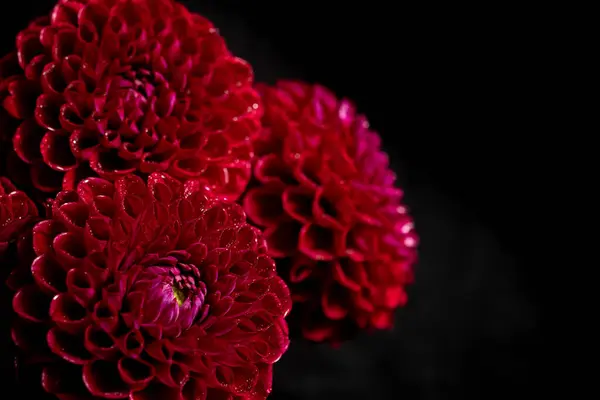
{"x": 247, "y": 238}
{"x": 263, "y": 205}
{"x": 309, "y": 171}
{"x": 63, "y": 378}
{"x": 132, "y": 343}
{"x": 265, "y": 266}
{"x": 22, "y": 100}
{"x": 277, "y": 340}
{"x": 331, "y": 209}
{"x": 103, "y": 379}
{"x": 71, "y": 212}
{"x": 31, "y": 304}
{"x": 163, "y": 187}
{"x": 334, "y": 302}
{"x": 216, "y": 147}
{"x": 44, "y": 234}
{"x": 79, "y": 285}
{"x": 265, "y": 380}
{"x": 297, "y": 202}
{"x": 273, "y": 170}
{"x": 29, "y": 338}
{"x": 318, "y": 333}
{"x": 26, "y": 141}
{"x": 69, "y": 249}
{"x": 382, "y": 319}
{"x": 391, "y": 297}
{"x": 136, "y": 373}
{"x": 56, "y": 151}
{"x": 52, "y": 79}
{"x": 318, "y": 242}
{"x": 231, "y": 73}
{"x": 45, "y": 178}
{"x": 237, "y": 379}
{"x": 282, "y": 239}
{"x": 188, "y": 168}
{"x": 160, "y": 350}
{"x": 301, "y": 269}
{"x": 195, "y": 389}
{"x": 106, "y": 316}
{"x": 158, "y": 391}
{"x": 222, "y": 307}
{"x": 69, "y": 347}
{"x": 68, "y": 314}
{"x": 83, "y": 143}
{"x": 341, "y": 275}
{"x": 49, "y": 276}
{"x": 109, "y": 165}
{"x": 171, "y": 374}
{"x": 277, "y": 300}
{"x": 96, "y": 267}
{"x": 47, "y": 111}
{"x": 100, "y": 343}
{"x": 97, "y": 233}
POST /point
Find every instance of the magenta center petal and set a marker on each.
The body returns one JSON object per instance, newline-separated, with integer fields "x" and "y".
{"x": 173, "y": 296}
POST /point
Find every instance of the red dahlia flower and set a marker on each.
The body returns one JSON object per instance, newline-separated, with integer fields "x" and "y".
{"x": 333, "y": 218}
{"x": 112, "y": 87}
{"x": 150, "y": 291}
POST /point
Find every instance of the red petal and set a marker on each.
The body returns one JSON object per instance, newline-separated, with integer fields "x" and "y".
{"x": 103, "y": 379}
{"x": 158, "y": 391}
{"x": 136, "y": 373}
{"x": 68, "y": 314}
{"x": 100, "y": 343}
{"x": 340, "y": 275}
{"x": 319, "y": 243}
{"x": 31, "y": 304}
{"x": 26, "y": 141}
{"x": 69, "y": 347}
{"x": 334, "y": 302}
{"x": 282, "y": 239}
{"x": 49, "y": 276}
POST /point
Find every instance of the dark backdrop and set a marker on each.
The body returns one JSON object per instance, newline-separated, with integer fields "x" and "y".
{"x": 447, "y": 89}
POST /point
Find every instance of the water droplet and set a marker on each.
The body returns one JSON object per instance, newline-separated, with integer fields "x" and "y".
{"x": 407, "y": 227}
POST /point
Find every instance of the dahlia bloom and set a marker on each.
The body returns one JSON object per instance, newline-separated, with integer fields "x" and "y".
{"x": 150, "y": 291}
{"x": 333, "y": 219}
{"x": 106, "y": 88}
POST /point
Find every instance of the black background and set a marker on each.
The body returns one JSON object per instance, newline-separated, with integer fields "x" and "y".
{"x": 449, "y": 90}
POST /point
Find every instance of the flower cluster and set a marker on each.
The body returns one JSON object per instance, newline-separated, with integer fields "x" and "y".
{"x": 144, "y": 288}
{"x": 133, "y": 147}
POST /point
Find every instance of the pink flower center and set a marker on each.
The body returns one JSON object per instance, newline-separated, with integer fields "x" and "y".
{"x": 143, "y": 81}
{"x": 184, "y": 281}
{"x": 169, "y": 292}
